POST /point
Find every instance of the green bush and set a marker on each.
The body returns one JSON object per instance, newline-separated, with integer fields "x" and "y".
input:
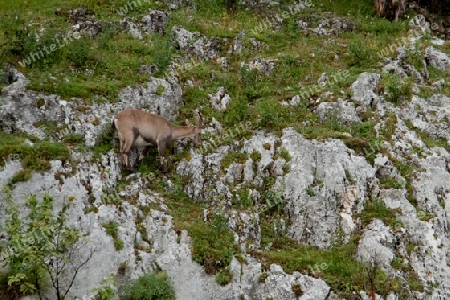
{"x": 150, "y": 286}
{"x": 34, "y": 240}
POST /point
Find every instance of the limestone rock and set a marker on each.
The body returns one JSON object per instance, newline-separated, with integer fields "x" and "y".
{"x": 156, "y": 21}
{"x": 363, "y": 90}
{"x": 343, "y": 110}
{"x": 437, "y": 59}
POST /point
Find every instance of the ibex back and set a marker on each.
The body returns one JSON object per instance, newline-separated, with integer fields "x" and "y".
{"x": 141, "y": 128}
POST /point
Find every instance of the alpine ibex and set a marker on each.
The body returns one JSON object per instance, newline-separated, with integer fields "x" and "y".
{"x": 141, "y": 128}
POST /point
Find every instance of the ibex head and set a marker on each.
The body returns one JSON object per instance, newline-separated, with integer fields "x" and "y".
{"x": 196, "y": 130}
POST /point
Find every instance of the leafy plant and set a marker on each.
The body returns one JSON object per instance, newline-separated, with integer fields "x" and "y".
{"x": 40, "y": 246}
{"x": 263, "y": 277}
{"x": 150, "y": 286}
{"x": 297, "y": 289}
{"x": 274, "y": 202}
{"x": 108, "y": 289}
{"x": 242, "y": 198}
{"x": 160, "y": 90}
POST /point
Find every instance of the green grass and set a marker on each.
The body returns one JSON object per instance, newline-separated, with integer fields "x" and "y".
{"x": 213, "y": 244}
{"x": 34, "y": 158}
{"x": 254, "y": 96}
{"x": 376, "y": 209}
{"x": 112, "y": 229}
{"x": 396, "y": 88}
{"x": 233, "y": 157}
{"x": 391, "y": 183}
{"x": 336, "y": 265}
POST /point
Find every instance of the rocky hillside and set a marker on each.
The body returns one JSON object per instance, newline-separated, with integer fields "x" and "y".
{"x": 324, "y": 171}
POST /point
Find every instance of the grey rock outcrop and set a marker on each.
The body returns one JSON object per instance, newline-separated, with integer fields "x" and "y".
{"x": 22, "y": 110}
{"x": 220, "y": 100}
{"x": 363, "y": 90}
{"x": 264, "y": 66}
{"x": 429, "y": 115}
{"x": 437, "y": 59}
{"x": 330, "y": 27}
{"x": 316, "y": 192}
{"x": 375, "y": 246}
{"x": 156, "y": 95}
{"x": 162, "y": 248}
{"x": 155, "y": 21}
{"x": 403, "y": 69}
{"x": 132, "y": 28}
{"x": 344, "y": 111}
{"x": 196, "y": 45}
{"x": 326, "y": 185}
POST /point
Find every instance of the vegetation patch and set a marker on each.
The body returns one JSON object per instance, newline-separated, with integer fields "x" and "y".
{"x": 224, "y": 277}
{"x": 396, "y": 88}
{"x": 104, "y": 141}
{"x": 376, "y": 209}
{"x": 112, "y": 229}
{"x": 391, "y": 183}
{"x": 35, "y": 157}
{"x": 150, "y": 286}
{"x": 233, "y": 157}
{"x": 242, "y": 198}
{"x": 37, "y": 238}
{"x": 336, "y": 265}
{"x": 213, "y": 244}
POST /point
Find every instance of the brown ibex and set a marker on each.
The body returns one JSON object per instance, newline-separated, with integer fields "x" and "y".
{"x": 141, "y": 128}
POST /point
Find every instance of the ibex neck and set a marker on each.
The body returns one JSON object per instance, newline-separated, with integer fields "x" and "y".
{"x": 179, "y": 132}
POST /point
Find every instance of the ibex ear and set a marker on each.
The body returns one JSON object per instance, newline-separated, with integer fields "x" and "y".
{"x": 187, "y": 122}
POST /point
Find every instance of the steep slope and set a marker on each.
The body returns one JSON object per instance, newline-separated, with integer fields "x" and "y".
{"x": 324, "y": 171}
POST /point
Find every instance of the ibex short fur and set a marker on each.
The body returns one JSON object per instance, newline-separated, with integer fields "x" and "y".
{"x": 141, "y": 128}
